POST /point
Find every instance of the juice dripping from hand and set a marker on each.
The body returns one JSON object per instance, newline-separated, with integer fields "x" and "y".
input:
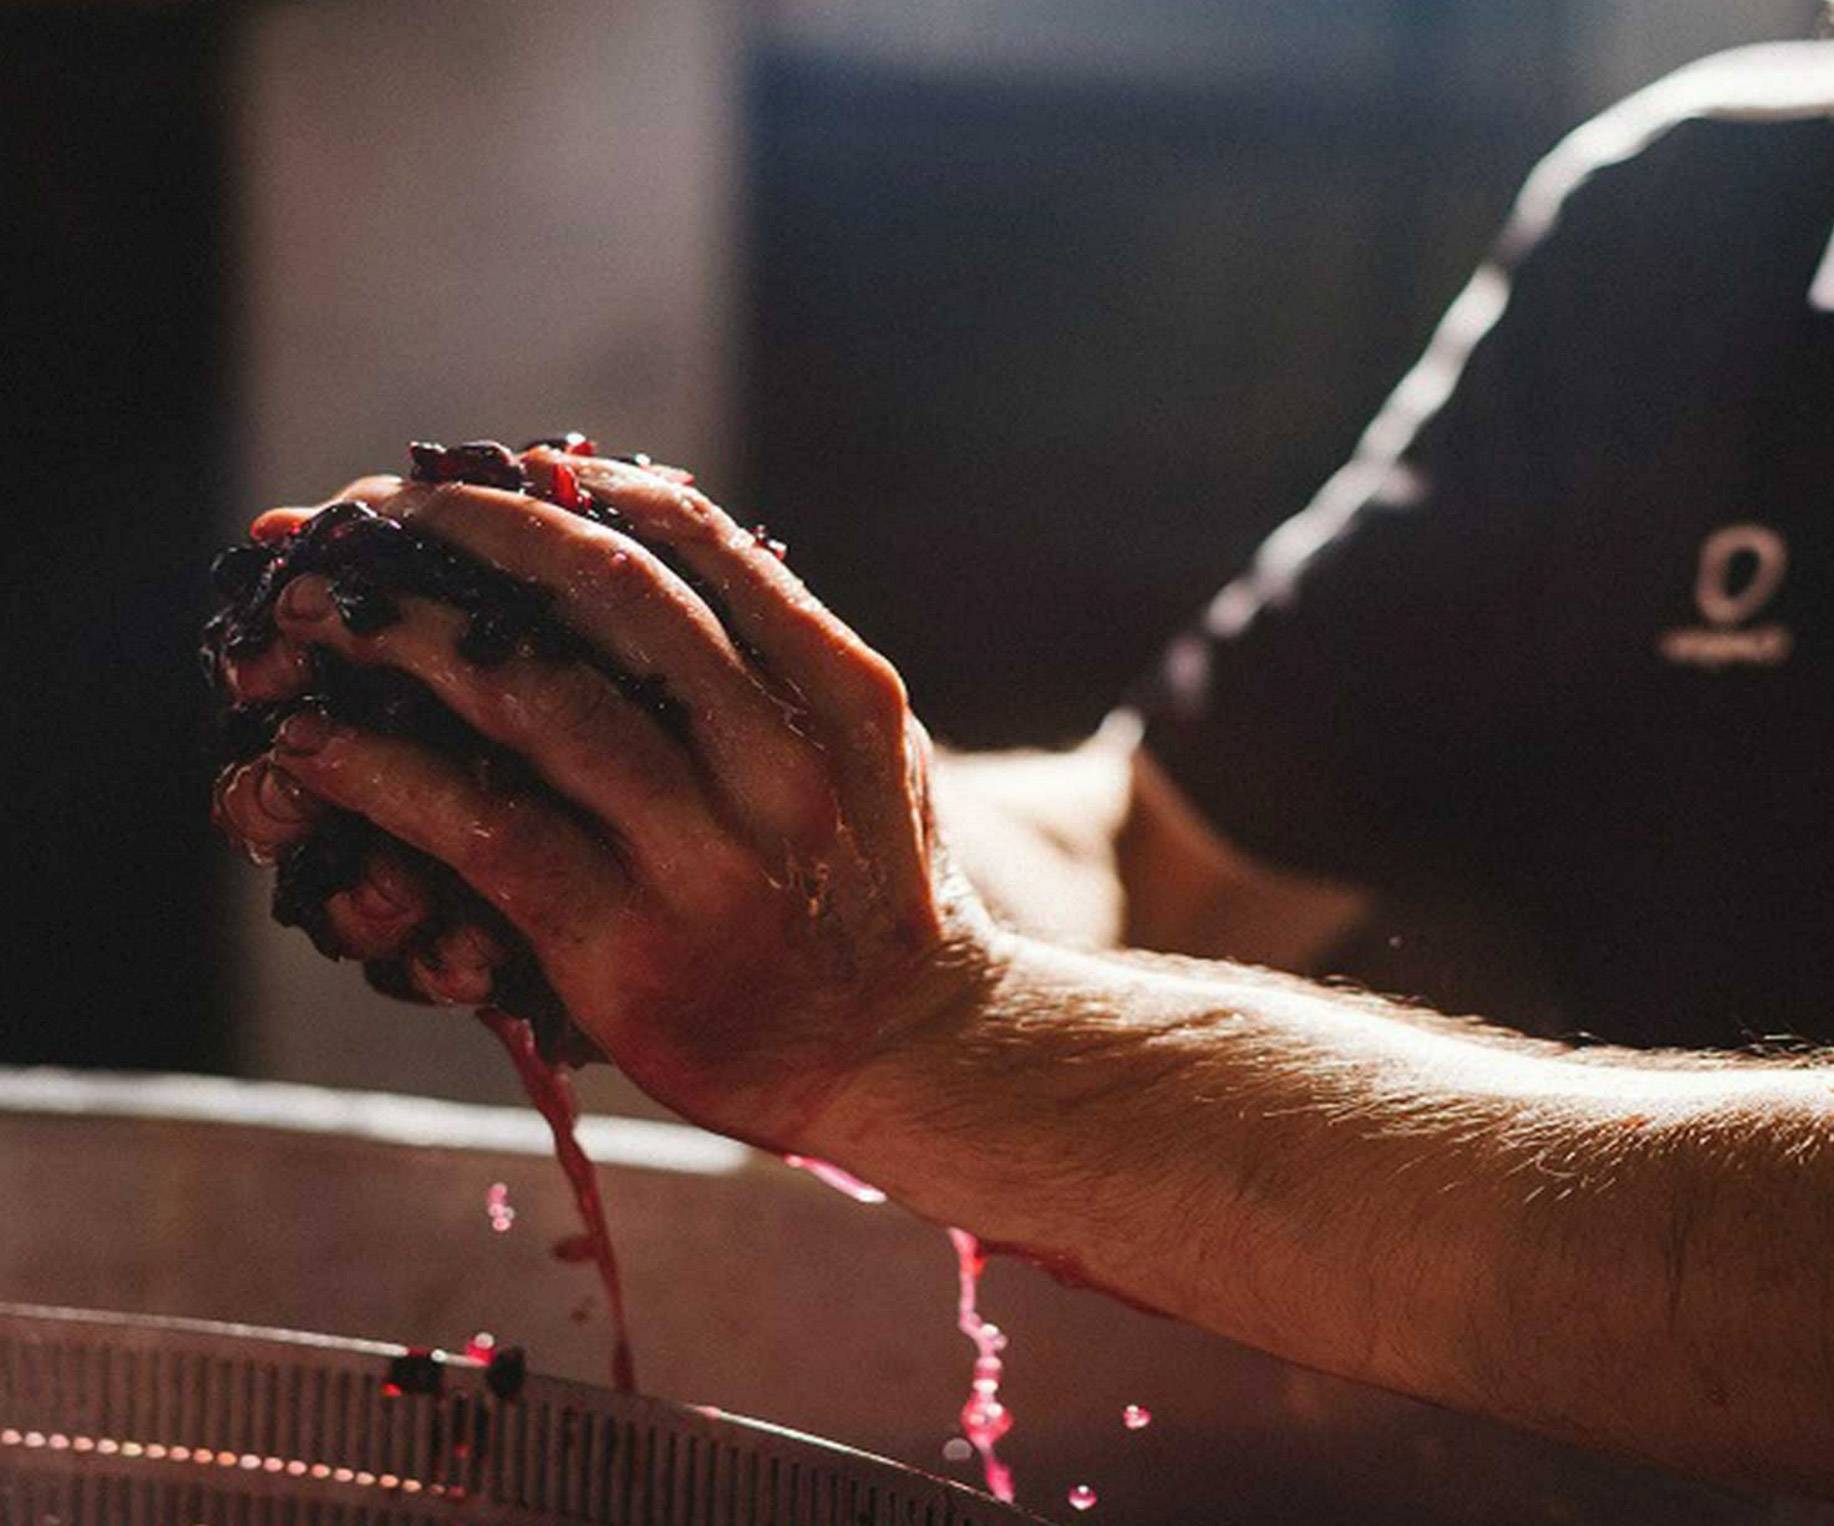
{"x": 831, "y": 1175}
{"x": 552, "y": 1095}
{"x": 984, "y": 1418}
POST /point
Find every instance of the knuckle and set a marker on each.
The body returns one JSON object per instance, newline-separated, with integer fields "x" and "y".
{"x": 617, "y": 574}
{"x": 695, "y": 515}
{"x": 878, "y": 691}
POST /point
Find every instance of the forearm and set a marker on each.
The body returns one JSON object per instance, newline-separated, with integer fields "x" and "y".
{"x": 1612, "y": 1253}
{"x": 1095, "y": 848}
{"x": 1035, "y": 834}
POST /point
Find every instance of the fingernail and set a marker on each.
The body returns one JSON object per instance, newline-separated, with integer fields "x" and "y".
{"x": 280, "y": 795}
{"x": 305, "y": 731}
{"x": 306, "y": 598}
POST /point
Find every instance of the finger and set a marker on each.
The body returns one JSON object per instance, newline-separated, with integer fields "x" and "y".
{"x": 854, "y": 696}
{"x": 277, "y": 524}
{"x": 528, "y": 858}
{"x": 568, "y": 721}
{"x": 575, "y": 444}
{"x": 619, "y": 597}
{"x": 278, "y": 671}
{"x": 460, "y": 969}
{"x": 769, "y": 607}
{"x": 263, "y": 807}
{"x": 379, "y": 915}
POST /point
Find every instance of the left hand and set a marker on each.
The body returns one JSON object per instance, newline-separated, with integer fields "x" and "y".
{"x": 741, "y": 909}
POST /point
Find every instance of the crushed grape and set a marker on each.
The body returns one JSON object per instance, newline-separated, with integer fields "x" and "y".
{"x": 415, "y": 1371}
{"x": 482, "y": 463}
{"x": 572, "y": 442}
{"x": 372, "y": 562}
{"x": 507, "y": 1372}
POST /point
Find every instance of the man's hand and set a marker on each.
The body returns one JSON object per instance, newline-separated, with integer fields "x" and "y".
{"x": 741, "y": 907}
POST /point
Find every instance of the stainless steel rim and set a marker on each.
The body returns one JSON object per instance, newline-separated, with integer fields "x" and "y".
{"x": 107, "y": 1416}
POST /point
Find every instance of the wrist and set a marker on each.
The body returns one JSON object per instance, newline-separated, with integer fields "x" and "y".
{"x": 904, "y": 1117}
{"x": 1027, "y": 1109}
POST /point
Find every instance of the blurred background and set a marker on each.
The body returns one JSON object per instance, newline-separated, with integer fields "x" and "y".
{"x": 1020, "y": 320}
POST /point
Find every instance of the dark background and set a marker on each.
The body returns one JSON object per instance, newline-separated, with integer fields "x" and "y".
{"x": 1027, "y": 363}
{"x": 115, "y": 361}
{"x": 1070, "y": 348}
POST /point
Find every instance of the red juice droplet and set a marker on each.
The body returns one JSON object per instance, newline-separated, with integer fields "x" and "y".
{"x": 984, "y": 1418}
{"x": 552, "y": 1095}
{"x": 1136, "y": 1417}
{"x": 1082, "y": 1497}
{"x": 496, "y": 1204}
{"x": 564, "y": 489}
{"x": 480, "y": 1346}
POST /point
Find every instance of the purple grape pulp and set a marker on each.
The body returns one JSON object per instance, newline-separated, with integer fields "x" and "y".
{"x": 372, "y": 562}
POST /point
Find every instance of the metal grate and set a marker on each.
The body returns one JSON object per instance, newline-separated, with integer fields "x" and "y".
{"x": 170, "y": 1422}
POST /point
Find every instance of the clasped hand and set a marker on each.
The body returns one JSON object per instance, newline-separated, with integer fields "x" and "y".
{"x": 740, "y": 909}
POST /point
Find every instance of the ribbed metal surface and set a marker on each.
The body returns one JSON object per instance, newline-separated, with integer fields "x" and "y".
{"x": 107, "y": 1418}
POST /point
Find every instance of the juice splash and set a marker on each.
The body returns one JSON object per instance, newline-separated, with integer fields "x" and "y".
{"x": 984, "y": 1418}
{"x": 552, "y": 1095}
{"x": 844, "y": 1182}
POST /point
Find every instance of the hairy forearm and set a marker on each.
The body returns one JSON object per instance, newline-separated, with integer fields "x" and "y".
{"x": 1631, "y": 1253}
